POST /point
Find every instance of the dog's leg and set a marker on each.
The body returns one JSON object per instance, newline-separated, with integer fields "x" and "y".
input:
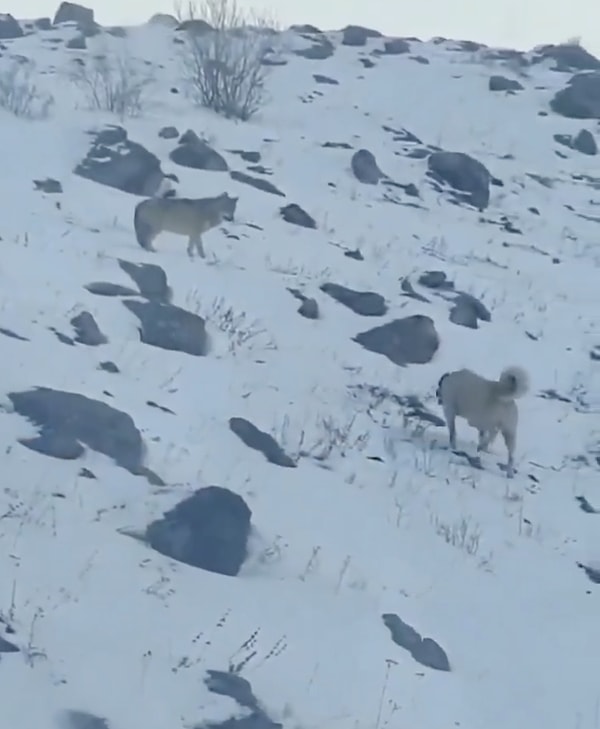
{"x": 451, "y": 422}
{"x": 510, "y": 441}
{"x": 485, "y": 439}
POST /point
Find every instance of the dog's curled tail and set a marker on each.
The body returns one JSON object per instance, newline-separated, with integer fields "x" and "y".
{"x": 514, "y": 381}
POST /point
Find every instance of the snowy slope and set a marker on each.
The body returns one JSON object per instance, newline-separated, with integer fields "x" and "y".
{"x": 388, "y": 521}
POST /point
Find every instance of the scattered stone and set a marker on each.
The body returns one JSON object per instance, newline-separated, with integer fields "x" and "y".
{"x": 309, "y": 309}
{"x": 105, "y": 288}
{"x": 164, "y": 19}
{"x": 318, "y": 51}
{"x": 116, "y": 161}
{"x": 78, "y": 43}
{"x": 195, "y": 26}
{"x": 9, "y": 27}
{"x": 170, "y": 327}
{"x": 365, "y": 303}
{"x": 365, "y": 168}
{"x": 424, "y": 650}
{"x": 168, "y": 133}
{"x": 464, "y": 174}
{"x": 585, "y": 143}
{"x": 356, "y": 35}
{"x": 580, "y": 99}
{"x": 395, "y": 47}
{"x": 194, "y": 152}
{"x": 260, "y": 441}
{"x": 231, "y": 684}
{"x": 208, "y": 530}
{"x": 435, "y": 280}
{"x": 502, "y": 83}
{"x": 109, "y": 366}
{"x": 295, "y": 215}
{"x": 49, "y": 186}
{"x": 87, "y": 330}
{"x": 411, "y": 340}
{"x": 320, "y": 79}
{"x": 73, "y": 13}
{"x": 568, "y": 57}
{"x": 43, "y": 24}
{"x": 150, "y": 279}
{"x": 256, "y": 182}
{"x": 7, "y": 647}
{"x": 82, "y": 720}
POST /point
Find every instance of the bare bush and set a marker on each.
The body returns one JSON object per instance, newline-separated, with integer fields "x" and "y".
{"x": 223, "y": 65}
{"x": 112, "y": 83}
{"x": 19, "y": 93}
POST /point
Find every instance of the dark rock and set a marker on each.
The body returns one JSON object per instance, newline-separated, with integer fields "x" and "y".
{"x": 9, "y": 27}
{"x": 170, "y": 327}
{"x": 43, "y": 24}
{"x": 408, "y": 290}
{"x": 195, "y": 26}
{"x": 365, "y": 303}
{"x": 365, "y": 168}
{"x": 463, "y": 315}
{"x": 164, "y": 19}
{"x": 424, "y": 650}
{"x": 231, "y": 684}
{"x": 109, "y": 366}
{"x": 309, "y": 309}
{"x": 320, "y": 79}
{"x": 568, "y": 56}
{"x": 209, "y": 530}
{"x": 55, "y": 445}
{"x": 396, "y": 46}
{"x": 117, "y": 31}
{"x": 256, "y": 182}
{"x": 168, "y": 133}
{"x": 78, "y": 43}
{"x": 564, "y": 139}
{"x": 69, "y": 418}
{"x": 478, "y": 307}
{"x": 356, "y": 255}
{"x": 585, "y": 143}
{"x": 87, "y": 330}
{"x": 74, "y": 13}
{"x": 501, "y": 83}
{"x": 150, "y": 279}
{"x": 592, "y": 573}
{"x": 318, "y": 51}
{"x": 356, "y": 35}
{"x": 295, "y": 215}
{"x": 105, "y": 288}
{"x": 411, "y": 340}
{"x": 49, "y": 185}
{"x": 306, "y": 28}
{"x": 435, "y": 280}
{"x": 82, "y": 720}
{"x": 12, "y": 335}
{"x": 580, "y": 99}
{"x": 367, "y": 62}
{"x": 194, "y": 152}
{"x": 463, "y": 173}
{"x": 336, "y": 145}
{"x": 116, "y": 161}
{"x": 260, "y": 441}
{"x": 7, "y": 647}
{"x": 252, "y": 157}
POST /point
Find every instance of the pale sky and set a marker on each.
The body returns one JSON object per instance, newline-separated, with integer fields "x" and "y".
{"x": 514, "y": 23}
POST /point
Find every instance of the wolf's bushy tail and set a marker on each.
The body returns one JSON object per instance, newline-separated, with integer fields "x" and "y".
{"x": 514, "y": 381}
{"x": 143, "y": 230}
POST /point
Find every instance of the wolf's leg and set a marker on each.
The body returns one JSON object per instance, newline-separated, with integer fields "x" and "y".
{"x": 199, "y": 246}
{"x": 190, "y": 247}
{"x": 451, "y": 422}
{"x": 486, "y": 438}
{"x": 510, "y": 441}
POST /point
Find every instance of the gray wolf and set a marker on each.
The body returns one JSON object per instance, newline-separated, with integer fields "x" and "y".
{"x": 488, "y": 405}
{"x": 182, "y": 216}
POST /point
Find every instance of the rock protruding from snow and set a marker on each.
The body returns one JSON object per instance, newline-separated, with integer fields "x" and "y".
{"x": 49, "y": 185}
{"x": 411, "y": 340}
{"x": 116, "y": 161}
{"x": 365, "y": 303}
{"x": 396, "y": 47}
{"x": 260, "y": 441}
{"x": 239, "y": 689}
{"x": 467, "y": 310}
{"x": 502, "y": 83}
{"x": 67, "y": 419}
{"x": 87, "y": 330}
{"x": 365, "y": 168}
{"x": 580, "y": 99}
{"x": 356, "y": 35}
{"x": 191, "y": 151}
{"x": 9, "y": 27}
{"x": 309, "y": 307}
{"x": 195, "y": 26}
{"x": 425, "y": 651}
{"x": 170, "y": 327}
{"x": 209, "y": 530}
{"x": 317, "y": 51}
{"x": 464, "y": 174}
{"x": 585, "y": 142}
{"x": 150, "y": 279}
{"x": 296, "y": 215}
{"x": 82, "y": 720}
{"x": 75, "y": 13}
{"x": 256, "y": 182}
{"x": 7, "y": 647}
{"x": 106, "y": 288}
{"x": 568, "y": 57}
{"x": 168, "y": 133}
{"x": 164, "y": 19}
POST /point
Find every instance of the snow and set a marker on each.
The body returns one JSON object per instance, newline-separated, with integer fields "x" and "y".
{"x": 484, "y": 565}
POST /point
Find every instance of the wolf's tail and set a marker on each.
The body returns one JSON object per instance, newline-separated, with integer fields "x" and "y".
{"x": 514, "y": 382}
{"x": 143, "y": 231}
{"x": 438, "y": 392}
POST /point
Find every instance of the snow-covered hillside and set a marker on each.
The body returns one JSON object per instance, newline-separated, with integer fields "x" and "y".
{"x": 363, "y": 524}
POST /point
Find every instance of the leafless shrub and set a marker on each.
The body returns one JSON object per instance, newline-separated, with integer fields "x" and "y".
{"x": 19, "y": 94}
{"x": 112, "y": 83}
{"x": 223, "y": 65}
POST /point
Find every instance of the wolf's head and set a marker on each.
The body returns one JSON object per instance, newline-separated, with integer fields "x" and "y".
{"x": 227, "y": 206}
